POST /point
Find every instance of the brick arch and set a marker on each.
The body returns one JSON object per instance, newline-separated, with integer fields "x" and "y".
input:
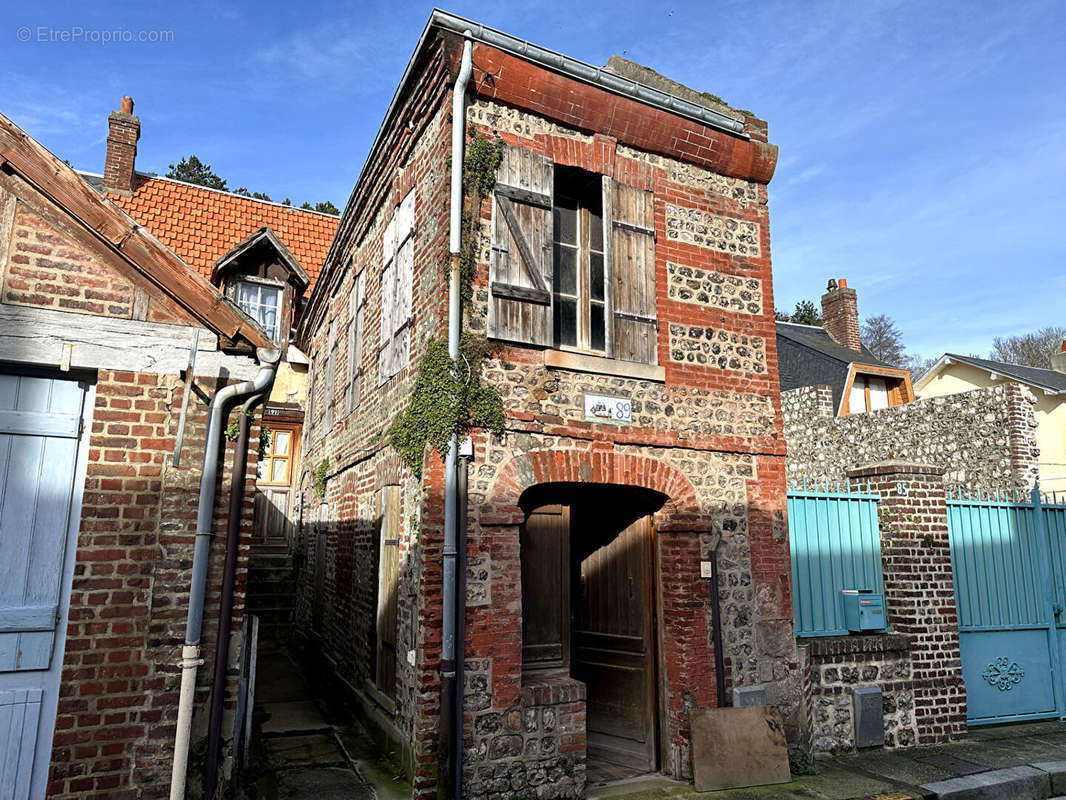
{"x": 680, "y": 512}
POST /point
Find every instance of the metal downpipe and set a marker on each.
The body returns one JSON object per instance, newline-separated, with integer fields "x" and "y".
{"x": 451, "y": 700}
{"x": 217, "y": 412}
{"x": 238, "y": 474}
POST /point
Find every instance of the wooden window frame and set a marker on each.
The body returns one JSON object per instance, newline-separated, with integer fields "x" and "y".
{"x": 268, "y": 458}
{"x": 584, "y": 252}
{"x": 900, "y": 392}
{"x": 355, "y": 332}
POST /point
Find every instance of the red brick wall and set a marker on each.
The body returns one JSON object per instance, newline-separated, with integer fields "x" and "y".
{"x": 919, "y": 592}
{"x": 118, "y": 697}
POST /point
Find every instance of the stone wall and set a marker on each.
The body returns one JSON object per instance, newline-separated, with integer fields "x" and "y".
{"x": 836, "y": 666}
{"x": 985, "y": 438}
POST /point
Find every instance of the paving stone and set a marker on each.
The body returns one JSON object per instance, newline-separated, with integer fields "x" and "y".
{"x": 316, "y": 750}
{"x": 296, "y": 716}
{"x": 324, "y": 783}
{"x": 1056, "y": 771}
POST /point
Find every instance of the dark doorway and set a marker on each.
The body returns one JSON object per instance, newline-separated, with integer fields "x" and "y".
{"x": 589, "y": 610}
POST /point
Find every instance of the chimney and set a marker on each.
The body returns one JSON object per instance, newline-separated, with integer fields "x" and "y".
{"x": 1058, "y": 360}
{"x": 840, "y": 312}
{"x": 124, "y": 131}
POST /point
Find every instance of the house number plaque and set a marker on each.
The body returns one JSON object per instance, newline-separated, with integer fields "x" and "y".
{"x": 612, "y": 410}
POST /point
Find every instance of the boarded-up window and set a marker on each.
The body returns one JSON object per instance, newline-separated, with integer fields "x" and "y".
{"x": 631, "y": 273}
{"x": 356, "y": 304}
{"x": 545, "y": 556}
{"x": 331, "y": 372}
{"x": 520, "y": 268}
{"x": 388, "y": 590}
{"x": 397, "y": 278}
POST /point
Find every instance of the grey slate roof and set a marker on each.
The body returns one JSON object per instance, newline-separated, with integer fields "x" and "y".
{"x": 808, "y": 356}
{"x": 1046, "y": 379}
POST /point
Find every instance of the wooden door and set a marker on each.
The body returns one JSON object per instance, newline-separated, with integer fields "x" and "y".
{"x": 545, "y": 542}
{"x": 273, "y": 523}
{"x": 614, "y": 643}
{"x": 42, "y": 471}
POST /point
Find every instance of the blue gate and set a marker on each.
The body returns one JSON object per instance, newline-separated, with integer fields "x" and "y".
{"x": 1009, "y": 562}
{"x": 835, "y": 543}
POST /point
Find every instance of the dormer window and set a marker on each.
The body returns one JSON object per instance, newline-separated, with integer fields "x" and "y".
{"x": 876, "y": 389}
{"x": 261, "y": 302}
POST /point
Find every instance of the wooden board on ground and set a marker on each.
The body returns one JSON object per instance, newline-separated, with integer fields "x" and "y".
{"x": 737, "y": 747}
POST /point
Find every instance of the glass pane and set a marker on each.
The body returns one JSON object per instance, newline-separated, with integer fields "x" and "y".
{"x": 247, "y": 295}
{"x": 565, "y": 218}
{"x": 268, "y": 317}
{"x": 565, "y": 270}
{"x": 566, "y": 322}
{"x": 268, "y": 296}
{"x": 596, "y": 332}
{"x": 278, "y": 468}
{"x": 281, "y": 443}
{"x": 596, "y": 276}
{"x": 595, "y": 230}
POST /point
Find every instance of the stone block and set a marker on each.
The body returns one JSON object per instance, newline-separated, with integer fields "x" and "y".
{"x": 1015, "y": 783}
{"x": 1056, "y": 771}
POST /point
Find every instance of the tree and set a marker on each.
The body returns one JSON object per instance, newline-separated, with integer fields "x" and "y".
{"x": 193, "y": 170}
{"x": 805, "y": 313}
{"x": 325, "y": 207}
{"x": 254, "y": 195}
{"x": 918, "y": 365}
{"x": 1029, "y": 349}
{"x": 880, "y": 334}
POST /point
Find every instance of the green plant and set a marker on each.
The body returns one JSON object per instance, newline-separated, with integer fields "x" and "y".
{"x": 264, "y": 440}
{"x": 800, "y": 762}
{"x": 233, "y": 431}
{"x": 448, "y": 398}
{"x": 321, "y": 474}
{"x": 482, "y": 159}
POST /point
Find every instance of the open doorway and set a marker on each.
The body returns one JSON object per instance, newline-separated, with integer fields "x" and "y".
{"x": 590, "y": 606}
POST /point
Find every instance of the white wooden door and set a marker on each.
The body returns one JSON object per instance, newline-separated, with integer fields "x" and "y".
{"x": 42, "y": 471}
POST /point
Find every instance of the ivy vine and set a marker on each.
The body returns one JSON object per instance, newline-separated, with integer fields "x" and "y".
{"x": 448, "y": 398}
{"x": 321, "y": 473}
{"x": 482, "y": 159}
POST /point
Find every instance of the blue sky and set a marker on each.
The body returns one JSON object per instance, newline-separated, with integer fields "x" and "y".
{"x": 923, "y": 144}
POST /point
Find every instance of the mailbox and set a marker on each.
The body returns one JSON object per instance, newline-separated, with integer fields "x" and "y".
{"x": 864, "y": 611}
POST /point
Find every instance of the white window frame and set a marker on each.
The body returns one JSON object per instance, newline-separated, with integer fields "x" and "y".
{"x": 261, "y": 286}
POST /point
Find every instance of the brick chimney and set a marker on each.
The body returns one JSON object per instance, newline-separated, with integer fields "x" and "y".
{"x": 124, "y": 131}
{"x": 840, "y": 312}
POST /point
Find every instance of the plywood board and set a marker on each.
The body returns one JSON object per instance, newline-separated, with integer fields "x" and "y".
{"x": 737, "y": 747}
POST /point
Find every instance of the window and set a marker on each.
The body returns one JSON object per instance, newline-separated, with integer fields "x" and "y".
{"x": 572, "y": 260}
{"x": 397, "y": 276}
{"x": 261, "y": 302}
{"x": 872, "y": 393}
{"x": 276, "y": 464}
{"x": 578, "y": 277}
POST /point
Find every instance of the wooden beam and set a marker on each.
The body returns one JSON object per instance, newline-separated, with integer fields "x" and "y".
{"x": 37, "y": 336}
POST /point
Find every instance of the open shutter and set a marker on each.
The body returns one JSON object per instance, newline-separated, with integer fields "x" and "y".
{"x": 388, "y": 589}
{"x": 520, "y": 269}
{"x": 356, "y": 303}
{"x": 631, "y": 258}
{"x": 331, "y": 372}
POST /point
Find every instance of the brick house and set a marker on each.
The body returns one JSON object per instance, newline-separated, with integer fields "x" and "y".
{"x": 102, "y": 433}
{"x": 264, "y": 256}
{"x": 622, "y": 275}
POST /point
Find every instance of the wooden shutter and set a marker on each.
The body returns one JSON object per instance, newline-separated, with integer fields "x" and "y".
{"x": 388, "y": 589}
{"x": 520, "y": 269}
{"x": 631, "y": 260}
{"x": 331, "y": 371}
{"x": 397, "y": 284}
{"x": 356, "y": 303}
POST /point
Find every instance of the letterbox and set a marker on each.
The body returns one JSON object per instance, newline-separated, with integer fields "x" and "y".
{"x": 864, "y": 611}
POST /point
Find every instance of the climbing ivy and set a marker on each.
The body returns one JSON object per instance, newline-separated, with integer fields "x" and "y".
{"x": 321, "y": 473}
{"x": 448, "y": 398}
{"x": 482, "y": 159}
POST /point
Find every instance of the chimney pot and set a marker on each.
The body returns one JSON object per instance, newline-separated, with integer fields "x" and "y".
{"x": 124, "y": 130}
{"x": 840, "y": 315}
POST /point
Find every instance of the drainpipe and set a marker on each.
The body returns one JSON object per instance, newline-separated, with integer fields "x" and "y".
{"x": 225, "y": 608}
{"x": 451, "y": 695}
{"x": 217, "y": 413}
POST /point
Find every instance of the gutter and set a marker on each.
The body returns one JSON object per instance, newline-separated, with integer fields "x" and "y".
{"x": 219, "y": 409}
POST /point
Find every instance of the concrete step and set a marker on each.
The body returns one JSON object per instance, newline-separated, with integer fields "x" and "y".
{"x": 1013, "y": 783}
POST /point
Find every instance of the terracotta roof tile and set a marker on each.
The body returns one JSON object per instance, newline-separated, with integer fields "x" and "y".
{"x": 201, "y": 225}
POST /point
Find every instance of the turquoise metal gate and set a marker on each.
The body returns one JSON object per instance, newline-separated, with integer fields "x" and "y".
{"x": 1009, "y": 562}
